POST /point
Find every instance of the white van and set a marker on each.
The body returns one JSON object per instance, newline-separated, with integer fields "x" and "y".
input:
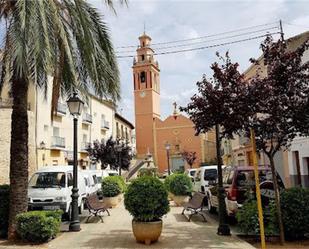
{"x": 101, "y": 174}
{"x": 202, "y": 177}
{"x": 50, "y": 188}
{"x": 91, "y": 181}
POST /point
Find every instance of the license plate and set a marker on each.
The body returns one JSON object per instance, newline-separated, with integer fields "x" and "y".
{"x": 51, "y": 207}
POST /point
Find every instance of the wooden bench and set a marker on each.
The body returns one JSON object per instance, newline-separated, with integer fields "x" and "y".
{"x": 96, "y": 207}
{"x": 195, "y": 206}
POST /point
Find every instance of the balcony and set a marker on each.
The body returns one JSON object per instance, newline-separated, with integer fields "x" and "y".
{"x": 87, "y": 118}
{"x": 61, "y": 109}
{"x": 105, "y": 125}
{"x": 84, "y": 146}
{"x": 57, "y": 142}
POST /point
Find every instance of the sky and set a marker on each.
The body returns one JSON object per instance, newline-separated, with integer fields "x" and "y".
{"x": 170, "y": 20}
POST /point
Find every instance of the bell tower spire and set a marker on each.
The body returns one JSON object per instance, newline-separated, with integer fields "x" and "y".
{"x": 146, "y": 80}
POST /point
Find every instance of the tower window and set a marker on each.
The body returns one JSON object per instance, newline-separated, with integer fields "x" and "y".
{"x": 143, "y": 57}
{"x": 143, "y": 44}
{"x": 143, "y": 77}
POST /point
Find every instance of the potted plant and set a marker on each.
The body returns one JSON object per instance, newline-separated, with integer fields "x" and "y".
{"x": 181, "y": 187}
{"x": 111, "y": 192}
{"x": 146, "y": 200}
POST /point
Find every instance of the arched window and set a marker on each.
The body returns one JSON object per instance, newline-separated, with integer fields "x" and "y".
{"x": 143, "y": 77}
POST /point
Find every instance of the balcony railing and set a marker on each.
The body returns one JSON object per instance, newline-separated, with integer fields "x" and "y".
{"x": 84, "y": 146}
{"x": 105, "y": 125}
{"x": 58, "y": 142}
{"x": 87, "y": 118}
{"x": 61, "y": 109}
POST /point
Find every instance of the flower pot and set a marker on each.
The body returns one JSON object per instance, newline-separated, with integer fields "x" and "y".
{"x": 170, "y": 196}
{"x": 111, "y": 201}
{"x": 180, "y": 199}
{"x": 147, "y": 232}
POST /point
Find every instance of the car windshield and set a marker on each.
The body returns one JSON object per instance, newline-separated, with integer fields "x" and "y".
{"x": 210, "y": 174}
{"x": 192, "y": 172}
{"x": 47, "y": 180}
{"x": 246, "y": 177}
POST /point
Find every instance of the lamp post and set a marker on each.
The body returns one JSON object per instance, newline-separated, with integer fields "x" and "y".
{"x": 75, "y": 105}
{"x": 43, "y": 147}
{"x": 168, "y": 147}
{"x": 223, "y": 228}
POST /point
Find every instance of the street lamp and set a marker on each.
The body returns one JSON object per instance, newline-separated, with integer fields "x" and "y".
{"x": 168, "y": 147}
{"x": 223, "y": 228}
{"x": 43, "y": 147}
{"x": 75, "y": 105}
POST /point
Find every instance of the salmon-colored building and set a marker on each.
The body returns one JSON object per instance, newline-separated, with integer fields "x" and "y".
{"x": 152, "y": 133}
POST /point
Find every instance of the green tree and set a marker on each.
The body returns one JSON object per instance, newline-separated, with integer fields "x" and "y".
{"x": 66, "y": 39}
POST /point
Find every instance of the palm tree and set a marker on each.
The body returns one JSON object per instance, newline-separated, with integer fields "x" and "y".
{"x": 66, "y": 39}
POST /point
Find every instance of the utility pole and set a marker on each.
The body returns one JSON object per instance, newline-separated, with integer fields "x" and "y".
{"x": 281, "y": 30}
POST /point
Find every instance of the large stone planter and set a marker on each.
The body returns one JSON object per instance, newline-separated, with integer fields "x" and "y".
{"x": 147, "y": 232}
{"x": 180, "y": 199}
{"x": 111, "y": 201}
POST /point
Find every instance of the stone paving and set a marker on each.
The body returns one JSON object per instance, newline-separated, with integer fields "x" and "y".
{"x": 116, "y": 232}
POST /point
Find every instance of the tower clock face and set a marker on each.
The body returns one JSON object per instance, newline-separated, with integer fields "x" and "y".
{"x": 142, "y": 94}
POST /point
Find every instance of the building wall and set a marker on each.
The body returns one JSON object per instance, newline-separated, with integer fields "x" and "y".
{"x": 42, "y": 128}
{"x": 180, "y": 134}
{"x": 95, "y": 123}
{"x": 5, "y": 143}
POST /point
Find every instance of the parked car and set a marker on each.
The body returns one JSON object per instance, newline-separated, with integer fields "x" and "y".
{"x": 190, "y": 173}
{"x": 50, "y": 188}
{"x": 203, "y": 176}
{"x": 237, "y": 182}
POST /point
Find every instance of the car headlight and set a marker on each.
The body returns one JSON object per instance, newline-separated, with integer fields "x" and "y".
{"x": 61, "y": 198}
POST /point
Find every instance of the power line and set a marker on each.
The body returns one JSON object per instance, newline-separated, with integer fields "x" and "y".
{"x": 202, "y": 37}
{"x": 204, "y": 47}
{"x": 200, "y": 42}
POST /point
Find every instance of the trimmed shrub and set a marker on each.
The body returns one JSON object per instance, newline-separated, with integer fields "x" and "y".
{"x": 110, "y": 187}
{"x": 118, "y": 180}
{"x": 38, "y": 226}
{"x": 4, "y": 210}
{"x": 147, "y": 172}
{"x": 180, "y": 184}
{"x": 295, "y": 212}
{"x": 167, "y": 182}
{"x": 146, "y": 199}
{"x": 248, "y": 219}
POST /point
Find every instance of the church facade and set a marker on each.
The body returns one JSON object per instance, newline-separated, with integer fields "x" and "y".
{"x": 165, "y": 139}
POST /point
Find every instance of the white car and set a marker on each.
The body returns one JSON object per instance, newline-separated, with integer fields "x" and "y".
{"x": 202, "y": 177}
{"x": 190, "y": 173}
{"x": 50, "y": 188}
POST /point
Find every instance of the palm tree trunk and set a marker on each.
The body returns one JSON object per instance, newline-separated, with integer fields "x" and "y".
{"x": 19, "y": 153}
{"x": 277, "y": 199}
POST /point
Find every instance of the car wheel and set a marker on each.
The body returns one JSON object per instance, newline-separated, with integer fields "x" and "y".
{"x": 211, "y": 208}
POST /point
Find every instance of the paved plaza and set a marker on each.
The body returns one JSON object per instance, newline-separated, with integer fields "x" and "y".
{"x": 116, "y": 232}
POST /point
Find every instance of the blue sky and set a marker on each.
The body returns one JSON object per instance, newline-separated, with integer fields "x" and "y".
{"x": 173, "y": 20}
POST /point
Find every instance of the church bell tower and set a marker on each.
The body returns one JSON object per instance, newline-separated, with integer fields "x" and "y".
{"x": 146, "y": 79}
